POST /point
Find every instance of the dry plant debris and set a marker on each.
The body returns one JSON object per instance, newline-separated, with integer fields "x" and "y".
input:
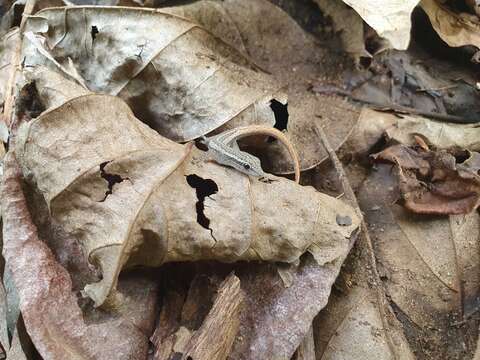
{"x": 122, "y": 239}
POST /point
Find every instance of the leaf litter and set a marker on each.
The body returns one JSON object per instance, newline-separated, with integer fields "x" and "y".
{"x": 65, "y": 68}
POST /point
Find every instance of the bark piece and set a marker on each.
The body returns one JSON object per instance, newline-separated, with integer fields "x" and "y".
{"x": 175, "y": 338}
{"x": 216, "y": 335}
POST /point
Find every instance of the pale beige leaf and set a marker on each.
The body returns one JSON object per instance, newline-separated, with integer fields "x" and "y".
{"x": 175, "y": 75}
{"x": 256, "y": 26}
{"x": 390, "y": 18}
{"x": 373, "y": 125}
{"x": 71, "y": 161}
{"x": 456, "y": 29}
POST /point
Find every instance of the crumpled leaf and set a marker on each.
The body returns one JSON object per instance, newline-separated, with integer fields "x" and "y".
{"x": 456, "y": 29}
{"x": 277, "y": 43}
{"x": 390, "y": 19}
{"x": 180, "y": 207}
{"x": 45, "y": 287}
{"x": 434, "y": 182}
{"x": 429, "y": 267}
{"x": 373, "y": 125}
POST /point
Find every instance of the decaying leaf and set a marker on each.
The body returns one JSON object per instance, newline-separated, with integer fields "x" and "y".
{"x": 177, "y": 77}
{"x": 374, "y": 125}
{"x": 45, "y": 287}
{"x": 186, "y": 83}
{"x": 277, "y": 43}
{"x": 391, "y": 19}
{"x": 351, "y": 327}
{"x": 104, "y": 167}
{"x": 456, "y": 29}
{"x": 281, "y": 317}
{"x": 429, "y": 266}
{"x": 435, "y": 182}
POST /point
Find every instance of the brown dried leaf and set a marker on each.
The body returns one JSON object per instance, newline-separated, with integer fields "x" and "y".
{"x": 175, "y": 75}
{"x": 434, "y": 182}
{"x": 429, "y": 266}
{"x": 44, "y": 287}
{"x": 213, "y": 84}
{"x": 456, "y": 29}
{"x": 281, "y": 317}
{"x": 351, "y": 327}
{"x": 275, "y": 41}
{"x": 89, "y": 170}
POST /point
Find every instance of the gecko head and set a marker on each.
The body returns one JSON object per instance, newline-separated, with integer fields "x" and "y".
{"x": 251, "y": 165}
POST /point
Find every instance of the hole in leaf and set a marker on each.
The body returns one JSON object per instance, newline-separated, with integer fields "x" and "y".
{"x": 280, "y": 111}
{"x": 461, "y": 156}
{"x": 203, "y": 188}
{"x": 94, "y": 32}
{"x": 111, "y": 179}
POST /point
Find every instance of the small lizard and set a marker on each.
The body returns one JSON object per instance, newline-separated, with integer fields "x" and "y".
{"x": 223, "y": 149}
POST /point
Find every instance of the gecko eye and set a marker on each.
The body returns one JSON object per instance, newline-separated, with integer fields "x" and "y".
{"x": 246, "y": 166}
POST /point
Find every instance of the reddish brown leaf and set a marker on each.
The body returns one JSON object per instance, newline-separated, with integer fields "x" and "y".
{"x": 52, "y": 316}
{"x": 433, "y": 182}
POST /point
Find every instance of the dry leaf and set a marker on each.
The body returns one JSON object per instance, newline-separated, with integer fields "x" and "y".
{"x": 429, "y": 266}
{"x": 176, "y": 76}
{"x": 214, "y": 84}
{"x": 277, "y": 43}
{"x": 45, "y": 287}
{"x": 281, "y": 317}
{"x": 435, "y": 182}
{"x": 373, "y": 125}
{"x": 180, "y": 207}
{"x": 390, "y": 19}
{"x": 456, "y": 29}
{"x": 351, "y": 327}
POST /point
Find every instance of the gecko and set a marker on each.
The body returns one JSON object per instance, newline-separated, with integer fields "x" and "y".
{"x": 223, "y": 149}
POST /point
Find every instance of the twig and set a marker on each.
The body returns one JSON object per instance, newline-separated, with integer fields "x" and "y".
{"x": 15, "y": 64}
{"x": 396, "y": 107}
{"x": 384, "y": 307}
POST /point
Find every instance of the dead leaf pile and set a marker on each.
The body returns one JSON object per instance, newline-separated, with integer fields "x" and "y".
{"x": 122, "y": 239}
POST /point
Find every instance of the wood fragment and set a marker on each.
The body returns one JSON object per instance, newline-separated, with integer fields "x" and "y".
{"x": 214, "y": 339}
{"x": 306, "y": 350}
{"x": 177, "y": 338}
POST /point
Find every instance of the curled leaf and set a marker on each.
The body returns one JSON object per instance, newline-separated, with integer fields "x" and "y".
{"x": 456, "y": 29}
{"x": 167, "y": 201}
{"x": 391, "y": 19}
{"x": 45, "y": 287}
{"x": 435, "y": 182}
